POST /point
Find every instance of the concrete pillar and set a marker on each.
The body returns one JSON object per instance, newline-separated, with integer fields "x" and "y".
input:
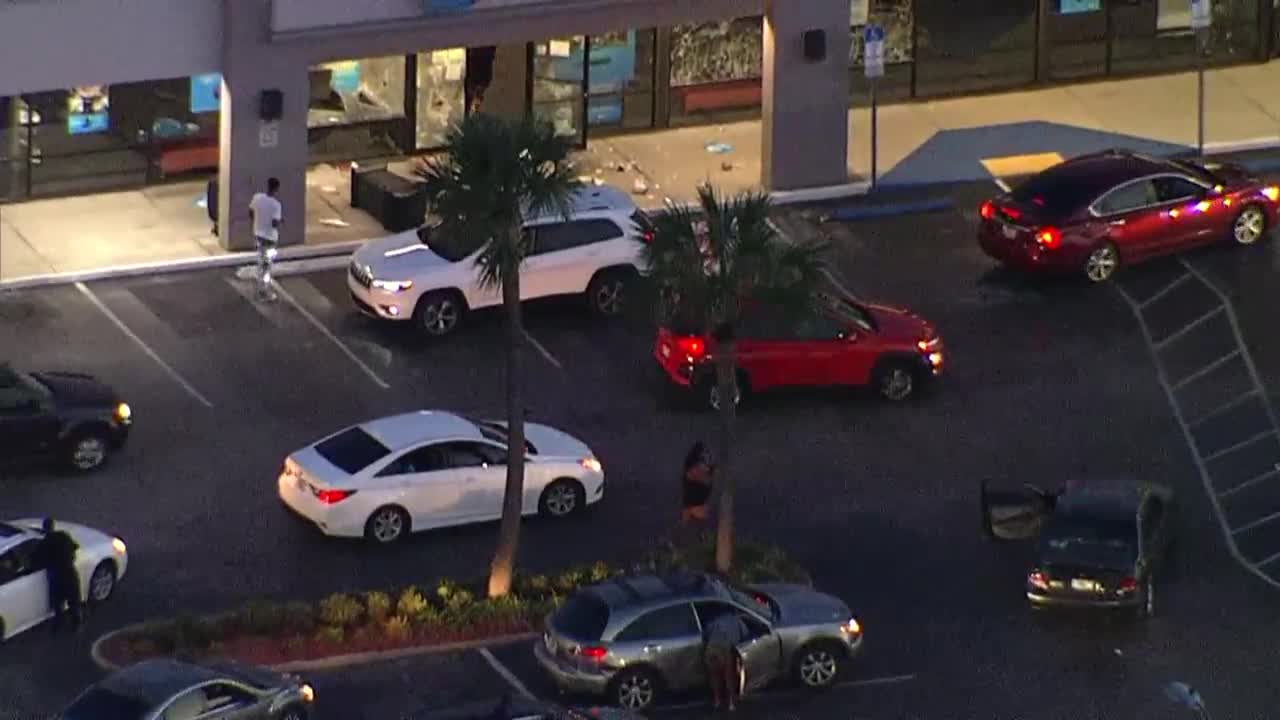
{"x": 508, "y": 94}
{"x": 806, "y": 103}
{"x": 250, "y": 64}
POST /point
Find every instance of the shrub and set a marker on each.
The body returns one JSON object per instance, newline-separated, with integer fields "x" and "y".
{"x": 453, "y": 596}
{"x": 299, "y": 618}
{"x": 262, "y": 617}
{"x": 295, "y": 643}
{"x": 599, "y": 572}
{"x": 340, "y": 610}
{"x": 411, "y": 603}
{"x": 396, "y": 628}
{"x": 534, "y": 584}
{"x": 378, "y": 606}
{"x": 569, "y": 580}
{"x": 332, "y": 634}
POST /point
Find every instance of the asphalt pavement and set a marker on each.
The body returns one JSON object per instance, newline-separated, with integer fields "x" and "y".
{"x": 1046, "y": 381}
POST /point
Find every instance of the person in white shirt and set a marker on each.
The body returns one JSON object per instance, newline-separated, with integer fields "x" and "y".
{"x": 266, "y": 213}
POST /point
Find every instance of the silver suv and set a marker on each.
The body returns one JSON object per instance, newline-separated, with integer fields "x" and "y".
{"x": 633, "y": 638}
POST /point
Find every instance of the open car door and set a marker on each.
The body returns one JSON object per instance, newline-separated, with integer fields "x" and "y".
{"x": 1009, "y": 514}
{"x": 761, "y": 659}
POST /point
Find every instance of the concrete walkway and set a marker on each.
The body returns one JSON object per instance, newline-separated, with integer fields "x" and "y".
{"x": 937, "y": 141}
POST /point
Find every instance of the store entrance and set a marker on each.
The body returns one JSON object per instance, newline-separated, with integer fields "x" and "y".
{"x": 560, "y": 76}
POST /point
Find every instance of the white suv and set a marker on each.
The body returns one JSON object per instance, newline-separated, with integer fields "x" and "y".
{"x": 420, "y": 277}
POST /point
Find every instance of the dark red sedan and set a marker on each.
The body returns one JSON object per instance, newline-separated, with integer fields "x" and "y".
{"x": 1094, "y": 213}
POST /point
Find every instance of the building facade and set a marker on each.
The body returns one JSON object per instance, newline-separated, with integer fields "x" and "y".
{"x": 101, "y": 95}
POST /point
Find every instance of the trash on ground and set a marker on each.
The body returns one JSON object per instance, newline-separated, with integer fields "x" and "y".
{"x": 719, "y": 148}
{"x": 335, "y": 222}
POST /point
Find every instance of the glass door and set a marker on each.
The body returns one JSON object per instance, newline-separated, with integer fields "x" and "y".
{"x": 441, "y": 95}
{"x": 560, "y": 80}
{"x": 1077, "y": 37}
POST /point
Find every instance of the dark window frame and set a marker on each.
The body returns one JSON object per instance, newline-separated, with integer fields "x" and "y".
{"x": 652, "y": 616}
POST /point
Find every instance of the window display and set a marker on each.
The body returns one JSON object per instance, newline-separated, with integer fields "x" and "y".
{"x": 717, "y": 51}
{"x": 1173, "y": 14}
{"x": 88, "y": 110}
{"x": 357, "y": 91}
{"x": 441, "y": 94}
{"x": 206, "y": 93}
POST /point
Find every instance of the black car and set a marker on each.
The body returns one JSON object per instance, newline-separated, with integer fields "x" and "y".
{"x": 165, "y": 689}
{"x": 512, "y": 708}
{"x": 1099, "y": 544}
{"x": 69, "y": 418}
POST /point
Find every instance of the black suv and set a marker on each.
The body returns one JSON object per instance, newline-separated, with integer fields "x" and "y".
{"x": 1100, "y": 543}
{"x": 69, "y": 418}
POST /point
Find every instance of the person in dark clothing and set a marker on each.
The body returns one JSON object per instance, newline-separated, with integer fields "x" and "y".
{"x": 58, "y": 552}
{"x": 720, "y": 655}
{"x": 696, "y": 486}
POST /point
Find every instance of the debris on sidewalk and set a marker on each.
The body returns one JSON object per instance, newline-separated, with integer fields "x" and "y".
{"x": 335, "y": 222}
{"x": 719, "y": 148}
{"x": 640, "y": 187}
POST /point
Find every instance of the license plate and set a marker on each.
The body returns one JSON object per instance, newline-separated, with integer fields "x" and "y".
{"x": 1084, "y": 585}
{"x": 1009, "y": 232}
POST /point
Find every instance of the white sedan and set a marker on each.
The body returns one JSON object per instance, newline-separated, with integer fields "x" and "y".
{"x": 24, "y": 584}
{"x": 388, "y": 477}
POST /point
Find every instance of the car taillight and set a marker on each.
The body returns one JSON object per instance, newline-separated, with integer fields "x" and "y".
{"x": 647, "y": 236}
{"x": 593, "y": 652}
{"x": 1128, "y": 585}
{"x": 1271, "y": 193}
{"x": 329, "y": 497}
{"x": 1048, "y": 238}
{"x": 987, "y": 211}
{"x": 1037, "y": 580}
{"x": 692, "y": 347}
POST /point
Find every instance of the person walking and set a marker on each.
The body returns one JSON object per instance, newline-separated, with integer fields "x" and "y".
{"x": 266, "y": 212}
{"x": 720, "y": 655}
{"x": 58, "y": 551}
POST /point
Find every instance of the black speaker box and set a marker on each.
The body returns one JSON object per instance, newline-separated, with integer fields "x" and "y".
{"x": 815, "y": 45}
{"x": 271, "y": 105}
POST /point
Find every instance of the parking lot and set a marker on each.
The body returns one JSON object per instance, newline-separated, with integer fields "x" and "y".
{"x": 1046, "y": 381}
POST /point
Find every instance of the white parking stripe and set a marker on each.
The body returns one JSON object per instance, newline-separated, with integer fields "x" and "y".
{"x": 543, "y": 351}
{"x": 506, "y": 674}
{"x": 1226, "y": 407}
{"x": 1182, "y": 332}
{"x": 1166, "y": 290}
{"x": 1250, "y": 482}
{"x": 1256, "y": 523}
{"x": 1002, "y": 184}
{"x": 1240, "y": 445}
{"x": 865, "y": 682}
{"x": 333, "y": 338}
{"x": 84, "y": 289}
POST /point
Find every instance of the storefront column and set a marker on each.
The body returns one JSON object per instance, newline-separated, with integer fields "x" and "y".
{"x": 508, "y": 93}
{"x": 250, "y": 152}
{"x": 806, "y": 102}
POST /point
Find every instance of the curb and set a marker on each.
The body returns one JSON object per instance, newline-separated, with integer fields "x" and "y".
{"x": 334, "y": 661}
{"x": 1233, "y": 146}
{"x": 867, "y": 212}
{"x": 295, "y": 267}
{"x": 820, "y": 194}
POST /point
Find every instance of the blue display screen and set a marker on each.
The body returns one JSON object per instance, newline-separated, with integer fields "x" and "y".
{"x": 88, "y": 123}
{"x": 206, "y": 90}
{"x": 1071, "y": 7}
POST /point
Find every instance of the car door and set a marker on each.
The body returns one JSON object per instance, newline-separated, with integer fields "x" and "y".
{"x": 566, "y": 254}
{"x": 228, "y": 701}
{"x": 1187, "y": 203}
{"x": 1152, "y": 534}
{"x": 423, "y": 482}
{"x": 821, "y": 347}
{"x": 858, "y": 350}
{"x": 761, "y": 653}
{"x": 764, "y": 348}
{"x": 482, "y": 472}
{"x": 1012, "y": 514}
{"x": 28, "y": 423}
{"x": 1136, "y": 222}
{"x": 24, "y": 587}
{"x": 667, "y": 639}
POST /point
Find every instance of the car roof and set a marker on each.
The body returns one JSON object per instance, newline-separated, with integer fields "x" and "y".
{"x": 628, "y": 591}
{"x": 1109, "y": 168}
{"x": 397, "y": 432}
{"x": 1105, "y": 500}
{"x": 155, "y": 681}
{"x": 593, "y": 198}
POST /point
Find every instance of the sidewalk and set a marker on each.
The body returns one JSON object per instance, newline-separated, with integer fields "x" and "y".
{"x": 940, "y": 141}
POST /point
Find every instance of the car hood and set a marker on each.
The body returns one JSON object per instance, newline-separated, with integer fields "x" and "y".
{"x": 899, "y": 324}
{"x": 551, "y": 442}
{"x": 402, "y": 256}
{"x": 77, "y": 389}
{"x": 83, "y": 535}
{"x": 256, "y": 676}
{"x": 802, "y": 605}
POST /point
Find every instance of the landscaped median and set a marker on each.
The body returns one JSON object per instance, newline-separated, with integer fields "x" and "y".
{"x": 371, "y": 625}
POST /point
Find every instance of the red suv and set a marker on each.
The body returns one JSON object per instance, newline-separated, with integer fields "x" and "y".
{"x": 842, "y": 342}
{"x": 1094, "y": 213}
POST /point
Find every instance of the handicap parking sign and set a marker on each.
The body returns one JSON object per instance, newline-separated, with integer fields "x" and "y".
{"x": 873, "y": 50}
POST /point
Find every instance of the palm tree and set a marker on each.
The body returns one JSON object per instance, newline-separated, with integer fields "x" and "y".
{"x": 707, "y": 261}
{"x": 492, "y": 175}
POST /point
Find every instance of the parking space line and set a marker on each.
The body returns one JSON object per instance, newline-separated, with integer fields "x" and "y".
{"x": 1162, "y": 344}
{"x": 1166, "y": 290}
{"x": 1240, "y": 445}
{"x": 1250, "y": 482}
{"x": 97, "y": 302}
{"x": 1255, "y": 523}
{"x": 1225, "y": 407}
{"x": 546, "y": 354}
{"x": 506, "y": 674}
{"x": 333, "y": 338}
{"x": 865, "y": 682}
{"x": 1002, "y": 184}
{"x": 1269, "y": 559}
{"x": 1206, "y": 370}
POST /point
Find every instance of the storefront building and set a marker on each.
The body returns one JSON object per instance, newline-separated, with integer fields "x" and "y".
{"x": 678, "y": 63}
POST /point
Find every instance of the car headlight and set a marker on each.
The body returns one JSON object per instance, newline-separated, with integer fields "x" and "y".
{"x": 307, "y": 693}
{"x": 123, "y": 412}
{"x": 591, "y": 464}
{"x": 851, "y": 628}
{"x": 118, "y": 545}
{"x": 394, "y": 286}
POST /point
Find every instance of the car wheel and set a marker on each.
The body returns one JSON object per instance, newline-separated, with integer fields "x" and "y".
{"x": 293, "y": 712}
{"x": 439, "y": 313}
{"x": 1102, "y": 263}
{"x": 102, "y": 582}
{"x": 562, "y": 498}
{"x": 818, "y": 665}
{"x": 712, "y": 391}
{"x": 87, "y": 451}
{"x": 607, "y": 293}
{"x": 1249, "y": 226}
{"x": 896, "y": 381}
{"x": 635, "y": 688}
{"x": 386, "y": 525}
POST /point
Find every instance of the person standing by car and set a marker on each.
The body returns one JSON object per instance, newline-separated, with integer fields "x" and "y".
{"x": 58, "y": 552}
{"x": 696, "y": 487}
{"x": 720, "y": 655}
{"x": 266, "y": 212}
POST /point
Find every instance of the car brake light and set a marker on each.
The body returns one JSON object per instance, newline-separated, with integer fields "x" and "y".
{"x": 647, "y": 236}
{"x": 593, "y": 652}
{"x": 1272, "y": 193}
{"x": 1128, "y": 585}
{"x": 1048, "y": 238}
{"x": 329, "y": 497}
{"x": 987, "y": 211}
{"x": 1037, "y": 580}
{"x": 693, "y": 348}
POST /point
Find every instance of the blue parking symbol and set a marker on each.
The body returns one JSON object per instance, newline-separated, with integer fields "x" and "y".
{"x": 872, "y": 34}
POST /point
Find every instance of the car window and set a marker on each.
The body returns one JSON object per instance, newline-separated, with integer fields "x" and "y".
{"x": 471, "y": 454}
{"x": 554, "y": 237}
{"x": 222, "y": 697}
{"x": 497, "y": 432}
{"x": 762, "y": 322}
{"x": 352, "y": 450}
{"x": 710, "y": 610}
{"x": 98, "y": 702}
{"x": 17, "y": 390}
{"x": 450, "y": 247}
{"x": 582, "y": 617}
{"x": 1171, "y": 187}
{"x": 188, "y": 706}
{"x": 816, "y": 326}
{"x": 1131, "y": 196}
{"x": 21, "y": 560}
{"x": 421, "y": 460}
{"x": 675, "y": 621}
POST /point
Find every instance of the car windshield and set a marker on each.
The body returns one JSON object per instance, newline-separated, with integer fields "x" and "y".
{"x": 101, "y": 704}
{"x": 352, "y": 450}
{"x": 754, "y": 599}
{"x": 497, "y": 432}
{"x": 1108, "y": 543}
{"x": 8, "y": 531}
{"x": 850, "y": 311}
{"x": 582, "y": 617}
{"x": 1197, "y": 171}
{"x": 451, "y": 248}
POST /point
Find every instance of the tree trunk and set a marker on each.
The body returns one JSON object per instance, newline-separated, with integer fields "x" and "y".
{"x": 726, "y": 378}
{"x": 504, "y": 559}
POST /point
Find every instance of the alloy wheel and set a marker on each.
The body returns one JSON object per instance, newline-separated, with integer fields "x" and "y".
{"x": 386, "y": 525}
{"x": 897, "y": 384}
{"x": 293, "y": 715}
{"x": 608, "y": 297}
{"x": 817, "y": 668}
{"x": 102, "y": 582}
{"x": 440, "y": 316}
{"x": 1249, "y": 226}
{"x": 1101, "y": 264}
{"x": 713, "y": 395}
{"x": 89, "y": 452}
{"x": 635, "y": 692}
{"x": 562, "y": 499}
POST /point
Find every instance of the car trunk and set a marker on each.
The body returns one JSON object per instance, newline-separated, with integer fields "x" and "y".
{"x": 579, "y": 623}
{"x": 1075, "y": 579}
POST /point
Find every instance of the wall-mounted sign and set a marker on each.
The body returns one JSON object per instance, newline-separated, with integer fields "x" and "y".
{"x": 206, "y": 92}
{"x": 1071, "y": 7}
